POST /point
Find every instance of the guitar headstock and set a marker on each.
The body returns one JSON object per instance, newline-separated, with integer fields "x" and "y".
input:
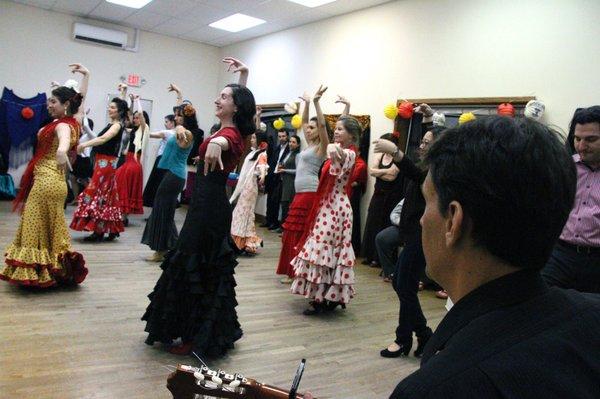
{"x": 187, "y": 381}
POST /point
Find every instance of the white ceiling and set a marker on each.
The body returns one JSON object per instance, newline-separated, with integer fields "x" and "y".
{"x": 189, "y": 19}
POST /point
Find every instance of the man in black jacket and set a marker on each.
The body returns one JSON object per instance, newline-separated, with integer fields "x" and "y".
{"x": 497, "y": 194}
{"x": 273, "y": 183}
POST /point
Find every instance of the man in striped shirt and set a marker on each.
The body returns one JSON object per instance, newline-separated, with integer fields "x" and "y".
{"x": 575, "y": 260}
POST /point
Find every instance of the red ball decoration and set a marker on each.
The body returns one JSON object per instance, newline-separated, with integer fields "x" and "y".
{"x": 27, "y": 113}
{"x": 506, "y": 109}
{"x": 405, "y": 110}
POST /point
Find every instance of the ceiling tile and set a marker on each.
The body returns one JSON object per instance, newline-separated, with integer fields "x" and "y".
{"x": 47, "y": 4}
{"x": 202, "y": 15}
{"x": 111, "y": 12}
{"x": 174, "y": 27}
{"x": 80, "y": 7}
{"x": 227, "y": 40}
{"x": 234, "y": 5}
{"x": 170, "y": 7}
{"x": 205, "y": 34}
{"x": 346, "y": 6}
{"x": 312, "y": 15}
{"x": 275, "y": 10}
{"x": 145, "y": 19}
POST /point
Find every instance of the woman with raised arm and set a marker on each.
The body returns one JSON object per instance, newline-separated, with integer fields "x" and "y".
{"x": 324, "y": 264}
{"x": 98, "y": 207}
{"x": 130, "y": 176}
{"x": 252, "y": 175}
{"x": 40, "y": 255}
{"x": 194, "y": 298}
{"x": 160, "y": 233}
{"x": 308, "y": 164}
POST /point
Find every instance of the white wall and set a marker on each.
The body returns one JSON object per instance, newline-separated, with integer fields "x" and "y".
{"x": 36, "y": 47}
{"x": 436, "y": 48}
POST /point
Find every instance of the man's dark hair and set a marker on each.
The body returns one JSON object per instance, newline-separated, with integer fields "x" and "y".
{"x": 515, "y": 182}
{"x": 581, "y": 116}
{"x": 284, "y": 130}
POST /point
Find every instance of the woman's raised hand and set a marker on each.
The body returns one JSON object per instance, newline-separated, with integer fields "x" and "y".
{"x": 305, "y": 97}
{"x": 79, "y": 68}
{"x": 385, "y": 147}
{"x": 173, "y": 87}
{"x": 319, "y": 93}
{"x": 235, "y": 65}
{"x": 342, "y": 100}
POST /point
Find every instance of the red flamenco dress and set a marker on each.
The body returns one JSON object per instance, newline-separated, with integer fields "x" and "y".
{"x": 130, "y": 180}
{"x": 40, "y": 255}
{"x": 98, "y": 205}
{"x": 324, "y": 264}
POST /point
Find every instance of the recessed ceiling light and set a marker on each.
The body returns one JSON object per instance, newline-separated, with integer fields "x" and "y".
{"x": 237, "y": 22}
{"x": 312, "y": 3}
{"x": 130, "y": 3}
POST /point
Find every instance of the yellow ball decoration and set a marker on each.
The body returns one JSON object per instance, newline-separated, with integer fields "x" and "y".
{"x": 296, "y": 121}
{"x": 279, "y": 124}
{"x": 390, "y": 111}
{"x": 466, "y": 117}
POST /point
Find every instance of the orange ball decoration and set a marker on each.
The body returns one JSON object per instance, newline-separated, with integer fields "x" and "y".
{"x": 506, "y": 109}
{"x": 27, "y": 113}
{"x": 405, "y": 110}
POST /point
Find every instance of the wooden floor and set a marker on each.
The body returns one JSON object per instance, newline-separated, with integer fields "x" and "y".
{"x": 88, "y": 342}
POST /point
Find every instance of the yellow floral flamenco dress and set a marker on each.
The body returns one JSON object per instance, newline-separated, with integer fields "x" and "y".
{"x": 40, "y": 254}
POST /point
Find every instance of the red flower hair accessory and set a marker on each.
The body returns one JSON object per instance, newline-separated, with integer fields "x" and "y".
{"x": 27, "y": 113}
{"x": 263, "y": 146}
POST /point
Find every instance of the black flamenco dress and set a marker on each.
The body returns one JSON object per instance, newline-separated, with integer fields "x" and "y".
{"x": 194, "y": 298}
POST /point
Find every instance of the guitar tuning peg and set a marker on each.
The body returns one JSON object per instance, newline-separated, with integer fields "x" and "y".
{"x": 235, "y": 383}
{"x": 217, "y": 380}
{"x": 199, "y": 376}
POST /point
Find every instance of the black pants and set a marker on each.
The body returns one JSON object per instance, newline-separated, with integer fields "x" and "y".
{"x": 406, "y": 284}
{"x": 387, "y": 242}
{"x": 568, "y": 268}
{"x": 273, "y": 199}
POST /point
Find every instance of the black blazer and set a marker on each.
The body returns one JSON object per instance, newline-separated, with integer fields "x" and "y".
{"x": 513, "y": 338}
{"x": 273, "y": 179}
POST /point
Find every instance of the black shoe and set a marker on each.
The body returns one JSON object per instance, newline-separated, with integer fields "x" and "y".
{"x": 422, "y": 341}
{"x": 404, "y": 350}
{"x": 126, "y": 221}
{"x": 365, "y": 262}
{"x": 277, "y": 230}
{"x": 265, "y": 225}
{"x": 317, "y": 307}
{"x": 273, "y": 227}
{"x": 112, "y": 236}
{"x": 330, "y": 306}
{"x": 94, "y": 237}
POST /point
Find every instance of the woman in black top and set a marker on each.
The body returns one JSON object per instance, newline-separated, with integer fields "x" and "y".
{"x": 288, "y": 173}
{"x": 411, "y": 264}
{"x": 98, "y": 208}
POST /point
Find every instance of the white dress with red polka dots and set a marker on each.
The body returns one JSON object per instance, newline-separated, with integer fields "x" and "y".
{"x": 324, "y": 264}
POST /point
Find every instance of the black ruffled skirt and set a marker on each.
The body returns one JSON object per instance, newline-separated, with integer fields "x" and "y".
{"x": 153, "y": 182}
{"x": 194, "y": 297}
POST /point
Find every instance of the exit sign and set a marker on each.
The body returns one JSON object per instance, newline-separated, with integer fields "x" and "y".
{"x": 133, "y": 80}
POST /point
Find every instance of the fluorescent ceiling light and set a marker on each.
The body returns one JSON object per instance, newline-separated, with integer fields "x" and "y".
{"x": 237, "y": 22}
{"x": 312, "y": 3}
{"x": 130, "y": 3}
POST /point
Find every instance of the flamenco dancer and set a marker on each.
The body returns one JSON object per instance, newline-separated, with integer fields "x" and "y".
{"x": 252, "y": 175}
{"x": 308, "y": 164}
{"x": 130, "y": 176}
{"x": 98, "y": 208}
{"x": 160, "y": 233}
{"x": 324, "y": 265}
{"x": 157, "y": 174}
{"x": 194, "y": 298}
{"x": 40, "y": 255}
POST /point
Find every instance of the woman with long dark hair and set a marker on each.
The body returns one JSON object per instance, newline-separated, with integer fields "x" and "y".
{"x": 411, "y": 264}
{"x": 98, "y": 207}
{"x": 40, "y": 255}
{"x": 194, "y": 298}
{"x": 308, "y": 164}
{"x": 287, "y": 170}
{"x": 252, "y": 175}
{"x": 324, "y": 264}
{"x": 130, "y": 176}
{"x": 387, "y": 193}
{"x": 160, "y": 233}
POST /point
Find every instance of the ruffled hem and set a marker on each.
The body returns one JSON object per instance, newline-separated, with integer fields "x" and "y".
{"x": 95, "y": 225}
{"x": 194, "y": 299}
{"x": 70, "y": 270}
{"x": 31, "y": 257}
{"x": 248, "y": 244}
{"x": 320, "y": 283}
{"x": 133, "y": 207}
{"x": 325, "y": 254}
